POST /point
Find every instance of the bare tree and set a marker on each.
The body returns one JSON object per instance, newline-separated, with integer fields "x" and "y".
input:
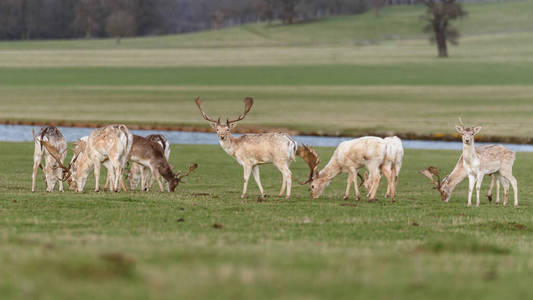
{"x": 120, "y": 24}
{"x": 439, "y": 14}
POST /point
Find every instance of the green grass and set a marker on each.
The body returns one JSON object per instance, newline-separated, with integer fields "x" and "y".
{"x": 132, "y": 245}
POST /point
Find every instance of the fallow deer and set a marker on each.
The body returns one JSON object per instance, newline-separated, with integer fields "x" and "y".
{"x": 475, "y": 162}
{"x": 390, "y": 167}
{"x": 53, "y": 136}
{"x": 252, "y": 150}
{"x": 150, "y": 155}
{"x": 139, "y": 173}
{"x": 350, "y": 156}
{"x": 109, "y": 145}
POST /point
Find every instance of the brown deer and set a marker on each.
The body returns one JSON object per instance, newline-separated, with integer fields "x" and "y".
{"x": 52, "y": 136}
{"x": 139, "y": 173}
{"x": 474, "y": 163}
{"x": 252, "y": 150}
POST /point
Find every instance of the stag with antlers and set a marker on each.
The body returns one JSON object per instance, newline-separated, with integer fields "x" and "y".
{"x": 475, "y": 163}
{"x": 52, "y": 136}
{"x": 252, "y": 150}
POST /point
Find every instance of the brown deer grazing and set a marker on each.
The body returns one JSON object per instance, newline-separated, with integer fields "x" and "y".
{"x": 150, "y": 155}
{"x": 475, "y": 162}
{"x": 350, "y": 156}
{"x": 252, "y": 150}
{"x": 139, "y": 173}
{"x": 52, "y": 136}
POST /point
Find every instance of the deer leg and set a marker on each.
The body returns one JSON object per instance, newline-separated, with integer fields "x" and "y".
{"x": 59, "y": 173}
{"x": 471, "y": 182}
{"x": 255, "y": 172}
{"x": 374, "y": 178}
{"x": 498, "y": 189}
{"x": 106, "y": 184}
{"x": 348, "y": 183}
{"x": 388, "y": 175}
{"x": 97, "y": 176}
{"x": 492, "y": 181}
{"x": 247, "y": 170}
{"x": 478, "y": 187}
{"x": 505, "y": 184}
{"x": 514, "y": 184}
{"x": 117, "y": 171}
{"x": 355, "y": 186}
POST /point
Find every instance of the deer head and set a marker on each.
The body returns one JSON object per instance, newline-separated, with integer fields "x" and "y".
{"x": 57, "y": 156}
{"x": 467, "y": 133}
{"x": 179, "y": 178}
{"x": 437, "y": 184}
{"x": 224, "y": 129}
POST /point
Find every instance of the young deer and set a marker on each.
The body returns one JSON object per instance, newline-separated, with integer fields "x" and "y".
{"x": 475, "y": 163}
{"x": 139, "y": 173}
{"x": 350, "y": 156}
{"x": 53, "y": 136}
{"x": 252, "y": 150}
{"x": 390, "y": 167}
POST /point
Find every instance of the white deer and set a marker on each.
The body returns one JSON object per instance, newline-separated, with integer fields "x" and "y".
{"x": 349, "y": 157}
{"x": 390, "y": 167}
{"x": 495, "y": 160}
{"x": 252, "y": 150}
{"x": 52, "y": 136}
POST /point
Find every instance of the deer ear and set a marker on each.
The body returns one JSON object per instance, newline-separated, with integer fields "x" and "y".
{"x": 232, "y": 125}
{"x": 459, "y": 129}
{"x": 476, "y": 129}
{"x": 214, "y": 125}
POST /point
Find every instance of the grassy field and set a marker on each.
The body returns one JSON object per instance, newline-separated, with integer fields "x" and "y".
{"x": 345, "y": 75}
{"x": 161, "y": 245}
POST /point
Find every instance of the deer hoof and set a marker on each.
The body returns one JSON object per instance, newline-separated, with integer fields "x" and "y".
{"x": 489, "y": 197}
{"x": 345, "y": 198}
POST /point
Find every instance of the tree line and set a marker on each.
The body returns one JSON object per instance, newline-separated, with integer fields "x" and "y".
{"x": 62, "y": 19}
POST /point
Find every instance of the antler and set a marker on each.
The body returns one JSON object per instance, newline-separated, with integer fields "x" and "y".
{"x": 312, "y": 159}
{"x": 429, "y": 172}
{"x": 55, "y": 154}
{"x": 248, "y": 102}
{"x": 191, "y": 168}
{"x": 204, "y": 115}
{"x": 461, "y": 122}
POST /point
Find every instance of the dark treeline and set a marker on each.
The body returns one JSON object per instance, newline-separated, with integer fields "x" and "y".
{"x": 59, "y": 19}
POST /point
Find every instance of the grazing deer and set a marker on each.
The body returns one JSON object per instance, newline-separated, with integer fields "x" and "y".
{"x": 109, "y": 145}
{"x": 53, "y": 136}
{"x": 390, "y": 167}
{"x": 475, "y": 163}
{"x": 350, "y": 156}
{"x": 150, "y": 155}
{"x": 252, "y": 150}
{"x": 143, "y": 174}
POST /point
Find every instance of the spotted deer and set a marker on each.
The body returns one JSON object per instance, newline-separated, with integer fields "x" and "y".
{"x": 474, "y": 163}
{"x": 390, "y": 167}
{"x": 252, "y": 150}
{"x": 52, "y": 173}
{"x": 139, "y": 173}
{"x": 349, "y": 157}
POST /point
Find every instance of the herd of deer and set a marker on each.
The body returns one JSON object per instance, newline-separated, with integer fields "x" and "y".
{"x": 114, "y": 146}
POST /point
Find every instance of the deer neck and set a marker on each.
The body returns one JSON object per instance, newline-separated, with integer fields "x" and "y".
{"x": 229, "y": 144}
{"x": 469, "y": 153}
{"x": 330, "y": 171}
{"x": 455, "y": 177}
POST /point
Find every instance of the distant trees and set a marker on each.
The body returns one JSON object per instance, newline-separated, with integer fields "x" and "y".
{"x": 439, "y": 15}
{"x": 43, "y": 19}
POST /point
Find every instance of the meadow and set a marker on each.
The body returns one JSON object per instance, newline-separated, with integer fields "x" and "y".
{"x": 166, "y": 246}
{"x": 346, "y": 75}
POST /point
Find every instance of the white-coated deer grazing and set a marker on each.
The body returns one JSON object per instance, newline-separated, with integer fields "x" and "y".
{"x": 139, "y": 173}
{"x": 252, "y": 150}
{"x": 475, "y": 163}
{"x": 53, "y": 136}
{"x": 109, "y": 145}
{"x": 390, "y": 167}
{"x": 350, "y": 156}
